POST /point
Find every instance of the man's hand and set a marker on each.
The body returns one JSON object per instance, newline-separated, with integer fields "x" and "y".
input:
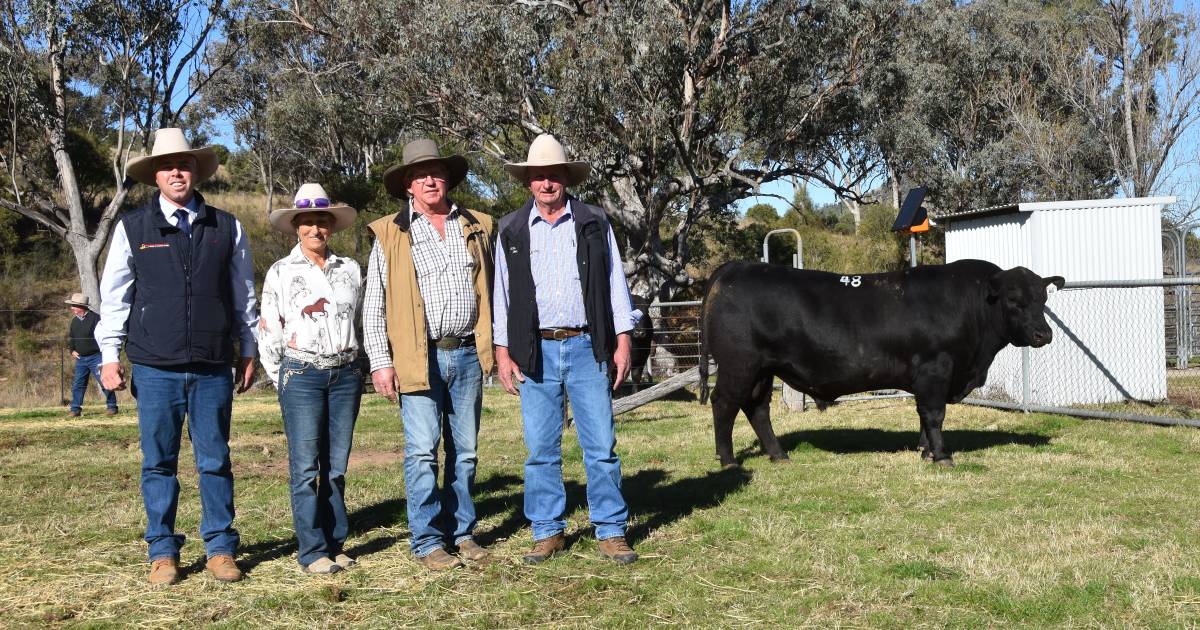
{"x": 508, "y": 371}
{"x": 245, "y": 374}
{"x": 621, "y": 359}
{"x": 112, "y": 376}
{"x": 385, "y": 382}
{"x": 75, "y": 355}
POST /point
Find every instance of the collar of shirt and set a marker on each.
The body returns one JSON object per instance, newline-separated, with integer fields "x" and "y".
{"x": 168, "y": 208}
{"x": 414, "y": 214}
{"x": 535, "y": 216}
{"x": 297, "y": 257}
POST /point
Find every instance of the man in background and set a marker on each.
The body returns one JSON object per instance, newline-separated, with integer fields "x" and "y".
{"x": 81, "y": 339}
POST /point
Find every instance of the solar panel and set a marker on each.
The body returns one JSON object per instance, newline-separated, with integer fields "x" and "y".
{"x": 912, "y": 213}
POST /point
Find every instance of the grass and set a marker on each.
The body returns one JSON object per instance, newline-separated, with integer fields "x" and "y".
{"x": 1047, "y": 521}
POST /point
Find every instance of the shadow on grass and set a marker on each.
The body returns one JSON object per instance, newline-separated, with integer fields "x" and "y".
{"x": 844, "y": 441}
{"x": 656, "y": 501}
{"x": 388, "y": 513}
{"x": 659, "y": 504}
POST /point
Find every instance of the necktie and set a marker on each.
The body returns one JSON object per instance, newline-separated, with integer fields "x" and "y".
{"x": 183, "y": 224}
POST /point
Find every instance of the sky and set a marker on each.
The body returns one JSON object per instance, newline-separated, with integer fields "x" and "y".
{"x": 820, "y": 196}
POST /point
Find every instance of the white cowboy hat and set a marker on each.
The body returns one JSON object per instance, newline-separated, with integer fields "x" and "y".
{"x": 170, "y": 141}
{"x": 80, "y": 300}
{"x": 547, "y": 151}
{"x": 420, "y": 151}
{"x": 312, "y": 198}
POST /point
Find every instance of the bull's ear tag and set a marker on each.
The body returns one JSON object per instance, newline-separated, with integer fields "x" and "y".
{"x": 1051, "y": 289}
{"x": 855, "y": 281}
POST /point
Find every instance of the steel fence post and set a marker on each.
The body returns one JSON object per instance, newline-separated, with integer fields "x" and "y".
{"x": 1025, "y": 358}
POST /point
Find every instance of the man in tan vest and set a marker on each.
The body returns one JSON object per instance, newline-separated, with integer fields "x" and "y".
{"x": 427, "y": 331}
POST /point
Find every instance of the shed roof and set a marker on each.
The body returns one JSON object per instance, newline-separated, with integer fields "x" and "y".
{"x": 1040, "y": 206}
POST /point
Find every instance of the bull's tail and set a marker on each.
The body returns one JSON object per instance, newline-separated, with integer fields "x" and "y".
{"x": 703, "y": 366}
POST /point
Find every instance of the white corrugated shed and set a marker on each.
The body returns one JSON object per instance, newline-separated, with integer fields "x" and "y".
{"x": 1109, "y": 344}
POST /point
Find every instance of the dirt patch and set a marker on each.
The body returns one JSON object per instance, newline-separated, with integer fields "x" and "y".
{"x": 365, "y": 458}
{"x": 359, "y": 459}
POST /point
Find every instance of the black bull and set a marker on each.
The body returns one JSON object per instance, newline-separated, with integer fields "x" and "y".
{"x": 932, "y": 331}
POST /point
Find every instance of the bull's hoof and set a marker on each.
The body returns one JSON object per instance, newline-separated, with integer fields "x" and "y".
{"x": 782, "y": 459}
{"x": 925, "y": 454}
{"x": 733, "y": 466}
{"x": 945, "y": 463}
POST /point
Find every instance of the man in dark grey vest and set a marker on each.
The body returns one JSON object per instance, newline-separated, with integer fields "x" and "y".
{"x": 178, "y": 289}
{"x": 562, "y": 315}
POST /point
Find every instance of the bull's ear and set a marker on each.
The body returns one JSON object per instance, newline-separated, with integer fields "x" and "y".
{"x": 995, "y": 285}
{"x": 1057, "y": 281}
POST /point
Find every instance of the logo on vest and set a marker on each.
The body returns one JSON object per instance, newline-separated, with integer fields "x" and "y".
{"x": 153, "y": 245}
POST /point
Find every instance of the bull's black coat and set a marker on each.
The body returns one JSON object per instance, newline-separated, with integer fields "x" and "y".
{"x": 642, "y": 342}
{"x": 932, "y": 331}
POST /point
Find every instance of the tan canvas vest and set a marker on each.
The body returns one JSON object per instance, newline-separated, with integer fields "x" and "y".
{"x": 405, "y": 310}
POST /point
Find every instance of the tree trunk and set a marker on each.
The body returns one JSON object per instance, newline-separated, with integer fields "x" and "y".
{"x": 86, "y": 259}
{"x": 855, "y": 211}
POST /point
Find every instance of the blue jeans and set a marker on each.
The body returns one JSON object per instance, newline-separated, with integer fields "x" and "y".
{"x": 448, "y": 410}
{"x": 569, "y": 366}
{"x": 319, "y": 409}
{"x": 84, "y": 366}
{"x": 204, "y": 394}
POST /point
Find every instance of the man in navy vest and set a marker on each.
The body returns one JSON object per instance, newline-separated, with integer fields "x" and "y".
{"x": 178, "y": 289}
{"x": 562, "y": 315}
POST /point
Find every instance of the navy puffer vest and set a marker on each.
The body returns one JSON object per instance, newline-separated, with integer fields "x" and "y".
{"x": 182, "y": 306}
{"x": 593, "y": 261}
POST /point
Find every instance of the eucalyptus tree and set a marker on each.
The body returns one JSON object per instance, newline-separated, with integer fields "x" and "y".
{"x": 972, "y": 111}
{"x": 1134, "y": 67}
{"x": 681, "y": 107}
{"x": 130, "y": 64}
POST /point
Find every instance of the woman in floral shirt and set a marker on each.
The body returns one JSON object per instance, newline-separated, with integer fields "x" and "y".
{"x": 307, "y": 345}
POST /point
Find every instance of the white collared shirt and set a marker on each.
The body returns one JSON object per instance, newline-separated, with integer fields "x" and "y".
{"x": 308, "y": 308}
{"x": 116, "y": 286}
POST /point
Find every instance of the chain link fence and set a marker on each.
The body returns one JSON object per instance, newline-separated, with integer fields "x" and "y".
{"x": 1182, "y": 306}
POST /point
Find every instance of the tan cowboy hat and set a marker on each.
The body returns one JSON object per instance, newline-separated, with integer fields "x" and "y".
{"x": 312, "y": 198}
{"x": 170, "y": 141}
{"x": 80, "y": 300}
{"x": 547, "y": 151}
{"x": 418, "y": 152}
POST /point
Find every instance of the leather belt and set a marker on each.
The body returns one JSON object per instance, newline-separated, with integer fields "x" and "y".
{"x": 453, "y": 343}
{"x": 558, "y": 334}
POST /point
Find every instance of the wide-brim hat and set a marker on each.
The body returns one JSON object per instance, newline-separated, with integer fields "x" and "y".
{"x": 417, "y": 152}
{"x": 307, "y": 200}
{"x": 80, "y": 300}
{"x": 547, "y": 151}
{"x": 170, "y": 141}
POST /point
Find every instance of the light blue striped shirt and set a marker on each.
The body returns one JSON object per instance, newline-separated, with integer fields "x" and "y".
{"x": 556, "y": 280}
